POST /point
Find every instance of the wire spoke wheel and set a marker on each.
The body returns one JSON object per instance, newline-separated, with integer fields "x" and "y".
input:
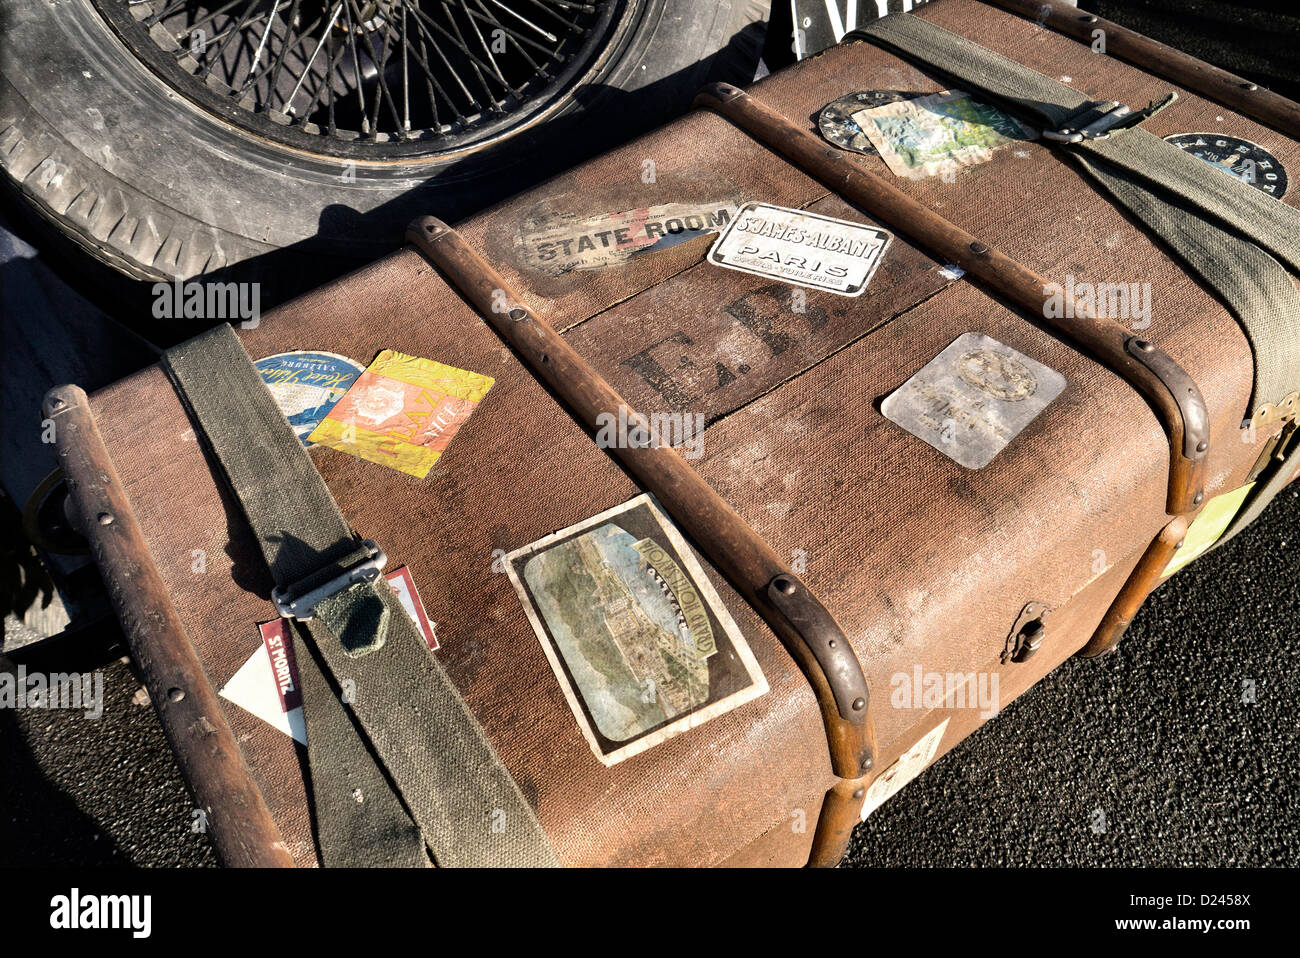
{"x": 371, "y": 78}
{"x": 286, "y": 140}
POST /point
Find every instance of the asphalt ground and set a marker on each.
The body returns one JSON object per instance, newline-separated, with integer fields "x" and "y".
{"x": 1155, "y": 755}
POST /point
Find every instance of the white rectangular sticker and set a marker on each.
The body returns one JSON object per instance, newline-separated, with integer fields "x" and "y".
{"x": 909, "y": 765}
{"x": 972, "y": 399}
{"x": 805, "y": 249}
{"x": 267, "y": 683}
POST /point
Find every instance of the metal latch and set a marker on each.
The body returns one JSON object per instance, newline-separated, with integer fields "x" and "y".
{"x": 1285, "y": 412}
{"x": 1026, "y": 636}
{"x": 1093, "y": 122}
{"x": 303, "y": 606}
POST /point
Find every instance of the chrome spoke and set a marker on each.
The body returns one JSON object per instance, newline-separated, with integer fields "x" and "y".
{"x": 375, "y": 71}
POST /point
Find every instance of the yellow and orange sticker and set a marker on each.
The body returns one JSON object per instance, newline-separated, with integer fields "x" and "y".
{"x": 402, "y": 412}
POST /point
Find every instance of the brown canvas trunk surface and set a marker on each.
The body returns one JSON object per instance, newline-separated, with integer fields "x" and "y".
{"x": 926, "y": 564}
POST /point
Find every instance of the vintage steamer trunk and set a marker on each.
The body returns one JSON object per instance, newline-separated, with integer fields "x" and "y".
{"x": 928, "y": 567}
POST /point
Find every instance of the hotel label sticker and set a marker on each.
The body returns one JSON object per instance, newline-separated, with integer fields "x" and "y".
{"x": 972, "y": 399}
{"x": 306, "y": 385}
{"x": 558, "y": 244}
{"x": 804, "y": 249}
{"x": 402, "y": 412}
{"x": 1247, "y": 161}
{"x": 638, "y": 638}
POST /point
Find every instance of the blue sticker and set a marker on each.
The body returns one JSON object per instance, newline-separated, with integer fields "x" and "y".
{"x": 306, "y": 385}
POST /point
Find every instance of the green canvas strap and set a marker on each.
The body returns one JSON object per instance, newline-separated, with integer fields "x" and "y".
{"x": 359, "y": 819}
{"x": 468, "y": 808}
{"x": 1231, "y": 235}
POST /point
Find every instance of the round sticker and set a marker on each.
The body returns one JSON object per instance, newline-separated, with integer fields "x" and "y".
{"x": 306, "y": 385}
{"x": 1247, "y": 161}
{"x": 836, "y": 118}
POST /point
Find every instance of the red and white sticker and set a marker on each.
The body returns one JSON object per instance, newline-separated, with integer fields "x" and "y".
{"x": 267, "y": 684}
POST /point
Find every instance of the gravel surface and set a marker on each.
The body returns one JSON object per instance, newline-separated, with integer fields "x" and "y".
{"x": 1153, "y": 742}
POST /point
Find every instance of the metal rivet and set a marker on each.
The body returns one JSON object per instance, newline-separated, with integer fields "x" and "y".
{"x": 518, "y": 314}
{"x": 175, "y": 695}
{"x": 859, "y": 704}
{"x": 1178, "y": 545}
{"x": 1250, "y": 86}
{"x": 979, "y": 249}
{"x": 859, "y": 793}
{"x": 1143, "y": 345}
{"x": 784, "y": 586}
{"x": 1202, "y": 446}
{"x": 105, "y": 519}
{"x": 1088, "y": 19}
{"x": 58, "y": 403}
{"x": 867, "y": 763}
{"x": 832, "y": 643}
{"x": 1196, "y": 499}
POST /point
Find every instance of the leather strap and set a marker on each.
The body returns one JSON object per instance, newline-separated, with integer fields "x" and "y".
{"x": 469, "y": 809}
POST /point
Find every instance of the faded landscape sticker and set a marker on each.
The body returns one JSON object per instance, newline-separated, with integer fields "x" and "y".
{"x": 637, "y": 636}
{"x": 972, "y": 399}
{"x": 938, "y": 134}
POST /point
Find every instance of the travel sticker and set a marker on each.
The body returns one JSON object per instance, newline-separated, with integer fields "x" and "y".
{"x": 559, "y": 244}
{"x": 639, "y": 640}
{"x": 402, "y": 412}
{"x": 972, "y": 399}
{"x": 805, "y": 249}
{"x": 836, "y": 123}
{"x": 909, "y": 765}
{"x": 306, "y": 385}
{"x": 267, "y": 683}
{"x": 937, "y": 134}
{"x": 1247, "y": 161}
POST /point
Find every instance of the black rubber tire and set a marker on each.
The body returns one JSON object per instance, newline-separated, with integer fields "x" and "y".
{"x": 156, "y": 187}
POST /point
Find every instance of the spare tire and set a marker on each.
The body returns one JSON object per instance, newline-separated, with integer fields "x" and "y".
{"x": 181, "y": 137}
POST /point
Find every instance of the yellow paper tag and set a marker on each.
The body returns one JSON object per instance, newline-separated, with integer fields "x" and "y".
{"x": 402, "y": 412}
{"x": 1206, "y": 529}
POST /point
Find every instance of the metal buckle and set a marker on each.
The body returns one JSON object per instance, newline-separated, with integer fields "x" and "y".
{"x": 302, "y": 607}
{"x": 1111, "y": 112}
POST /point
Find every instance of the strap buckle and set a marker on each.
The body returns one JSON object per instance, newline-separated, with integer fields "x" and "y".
{"x": 1093, "y": 122}
{"x": 303, "y": 606}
